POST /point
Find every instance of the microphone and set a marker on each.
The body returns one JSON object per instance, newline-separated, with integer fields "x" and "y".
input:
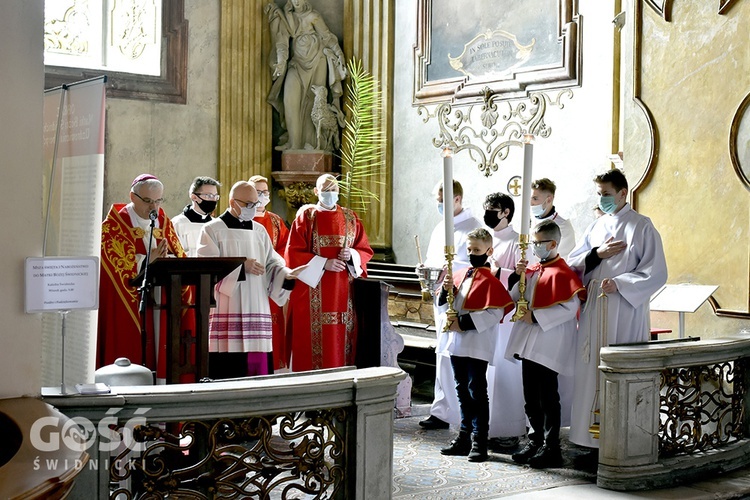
{"x": 153, "y": 214}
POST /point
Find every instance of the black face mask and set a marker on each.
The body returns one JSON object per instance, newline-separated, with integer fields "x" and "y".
{"x": 492, "y": 218}
{"x": 207, "y": 206}
{"x": 478, "y": 260}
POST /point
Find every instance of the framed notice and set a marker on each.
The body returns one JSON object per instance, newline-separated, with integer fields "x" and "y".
{"x": 61, "y": 283}
{"x": 508, "y": 46}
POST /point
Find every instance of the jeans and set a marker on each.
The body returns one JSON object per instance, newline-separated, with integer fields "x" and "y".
{"x": 471, "y": 386}
{"x": 542, "y": 403}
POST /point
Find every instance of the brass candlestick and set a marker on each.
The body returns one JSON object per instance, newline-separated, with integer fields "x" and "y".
{"x": 451, "y": 314}
{"x": 522, "y": 305}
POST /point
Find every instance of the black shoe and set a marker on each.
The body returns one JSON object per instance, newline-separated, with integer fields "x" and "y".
{"x": 433, "y": 423}
{"x": 528, "y": 451}
{"x": 460, "y": 447}
{"x": 546, "y": 458}
{"x": 478, "y": 451}
{"x": 504, "y": 444}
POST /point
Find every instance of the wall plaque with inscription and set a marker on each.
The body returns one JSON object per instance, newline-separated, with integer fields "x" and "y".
{"x": 492, "y": 53}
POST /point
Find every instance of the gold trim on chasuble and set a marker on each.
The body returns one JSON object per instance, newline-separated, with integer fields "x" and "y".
{"x": 317, "y": 317}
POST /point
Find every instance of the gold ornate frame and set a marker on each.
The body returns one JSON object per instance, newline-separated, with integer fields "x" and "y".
{"x": 170, "y": 86}
{"x": 467, "y": 90}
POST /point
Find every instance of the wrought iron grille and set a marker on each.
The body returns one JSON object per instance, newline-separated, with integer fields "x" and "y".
{"x": 289, "y": 455}
{"x": 701, "y": 407}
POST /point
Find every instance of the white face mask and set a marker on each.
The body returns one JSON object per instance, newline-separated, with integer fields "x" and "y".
{"x": 328, "y": 198}
{"x": 247, "y": 213}
{"x": 537, "y": 210}
{"x": 541, "y": 251}
{"x": 264, "y": 200}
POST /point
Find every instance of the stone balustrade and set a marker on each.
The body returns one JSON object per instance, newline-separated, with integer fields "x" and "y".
{"x": 327, "y": 433}
{"x": 673, "y": 412}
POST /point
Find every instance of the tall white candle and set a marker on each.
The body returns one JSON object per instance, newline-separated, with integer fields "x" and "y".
{"x": 448, "y": 195}
{"x": 528, "y": 156}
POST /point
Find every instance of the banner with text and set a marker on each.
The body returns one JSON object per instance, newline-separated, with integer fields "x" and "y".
{"x": 74, "y": 192}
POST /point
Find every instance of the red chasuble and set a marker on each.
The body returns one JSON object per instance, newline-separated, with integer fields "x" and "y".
{"x": 119, "y": 332}
{"x": 321, "y": 319}
{"x": 557, "y": 283}
{"x": 485, "y": 290}
{"x": 279, "y": 234}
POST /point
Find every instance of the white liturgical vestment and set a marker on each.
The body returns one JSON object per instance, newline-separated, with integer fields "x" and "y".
{"x": 639, "y": 271}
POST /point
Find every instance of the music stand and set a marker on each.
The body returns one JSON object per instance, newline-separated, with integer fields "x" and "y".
{"x": 681, "y": 299}
{"x": 203, "y": 273}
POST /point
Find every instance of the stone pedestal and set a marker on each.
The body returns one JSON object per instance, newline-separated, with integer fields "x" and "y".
{"x": 306, "y": 161}
{"x": 299, "y": 171}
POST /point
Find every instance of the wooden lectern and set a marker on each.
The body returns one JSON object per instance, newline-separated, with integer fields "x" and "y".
{"x": 173, "y": 274}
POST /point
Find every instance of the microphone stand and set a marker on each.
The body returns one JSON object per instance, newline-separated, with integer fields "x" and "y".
{"x": 145, "y": 287}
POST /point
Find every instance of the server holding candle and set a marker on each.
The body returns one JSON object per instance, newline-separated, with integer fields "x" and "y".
{"x": 444, "y": 409}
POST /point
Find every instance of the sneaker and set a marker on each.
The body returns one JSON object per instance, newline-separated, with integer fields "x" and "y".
{"x": 546, "y": 458}
{"x": 459, "y": 447}
{"x": 478, "y": 451}
{"x": 503, "y": 444}
{"x": 528, "y": 451}
{"x": 433, "y": 423}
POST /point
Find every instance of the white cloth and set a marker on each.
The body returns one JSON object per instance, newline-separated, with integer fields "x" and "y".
{"x": 188, "y": 232}
{"x": 241, "y": 320}
{"x": 479, "y": 343}
{"x": 445, "y": 404}
{"x": 567, "y": 236}
{"x": 504, "y": 380}
{"x": 463, "y": 224}
{"x": 551, "y": 341}
{"x": 639, "y": 271}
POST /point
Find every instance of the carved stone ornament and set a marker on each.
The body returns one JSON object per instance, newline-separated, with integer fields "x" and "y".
{"x": 488, "y": 131}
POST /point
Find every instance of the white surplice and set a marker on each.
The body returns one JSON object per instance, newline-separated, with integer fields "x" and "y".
{"x": 241, "y": 320}
{"x": 504, "y": 380}
{"x": 445, "y": 404}
{"x": 188, "y": 232}
{"x": 639, "y": 271}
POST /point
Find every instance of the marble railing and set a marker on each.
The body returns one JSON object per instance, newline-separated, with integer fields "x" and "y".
{"x": 673, "y": 412}
{"x": 323, "y": 434}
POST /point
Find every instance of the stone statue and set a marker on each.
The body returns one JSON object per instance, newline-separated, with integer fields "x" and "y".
{"x": 304, "y": 54}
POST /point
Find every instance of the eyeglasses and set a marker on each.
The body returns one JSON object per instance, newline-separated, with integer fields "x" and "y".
{"x": 249, "y": 204}
{"x": 207, "y": 196}
{"x": 265, "y": 192}
{"x": 149, "y": 201}
{"x": 539, "y": 243}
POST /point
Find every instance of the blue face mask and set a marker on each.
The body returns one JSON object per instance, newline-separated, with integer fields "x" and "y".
{"x": 328, "y": 198}
{"x": 607, "y": 204}
{"x": 440, "y": 208}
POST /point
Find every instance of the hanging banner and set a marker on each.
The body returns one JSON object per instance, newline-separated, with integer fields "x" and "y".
{"x": 74, "y": 167}
{"x": 73, "y": 197}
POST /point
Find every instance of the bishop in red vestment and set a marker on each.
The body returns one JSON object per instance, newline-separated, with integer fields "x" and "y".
{"x": 330, "y": 239}
{"x": 125, "y": 234}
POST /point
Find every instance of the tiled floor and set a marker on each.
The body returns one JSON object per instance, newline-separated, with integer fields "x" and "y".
{"x": 421, "y": 472}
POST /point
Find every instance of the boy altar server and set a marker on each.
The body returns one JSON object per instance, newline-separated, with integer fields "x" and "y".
{"x": 481, "y": 302}
{"x": 544, "y": 340}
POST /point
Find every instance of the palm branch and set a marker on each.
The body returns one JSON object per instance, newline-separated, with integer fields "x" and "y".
{"x": 363, "y": 140}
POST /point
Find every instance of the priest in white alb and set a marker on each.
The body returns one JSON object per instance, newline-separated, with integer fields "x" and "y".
{"x": 240, "y": 329}
{"x": 620, "y": 254}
